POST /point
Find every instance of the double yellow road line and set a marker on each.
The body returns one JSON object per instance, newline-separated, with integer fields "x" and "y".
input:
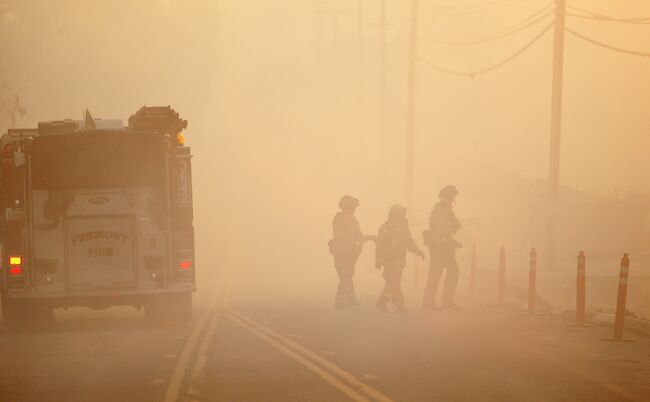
{"x": 202, "y": 335}
{"x": 203, "y": 332}
{"x": 340, "y": 379}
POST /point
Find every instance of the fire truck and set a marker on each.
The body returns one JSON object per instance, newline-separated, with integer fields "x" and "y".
{"x": 97, "y": 214}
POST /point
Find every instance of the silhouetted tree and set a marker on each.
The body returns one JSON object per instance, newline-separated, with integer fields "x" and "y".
{"x": 11, "y": 107}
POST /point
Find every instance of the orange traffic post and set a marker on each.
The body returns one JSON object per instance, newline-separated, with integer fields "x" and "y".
{"x": 501, "y": 291}
{"x": 581, "y": 294}
{"x": 581, "y": 290}
{"x": 619, "y": 321}
{"x": 532, "y": 283}
{"x": 472, "y": 272}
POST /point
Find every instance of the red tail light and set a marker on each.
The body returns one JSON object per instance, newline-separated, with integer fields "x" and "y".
{"x": 15, "y": 270}
{"x": 185, "y": 264}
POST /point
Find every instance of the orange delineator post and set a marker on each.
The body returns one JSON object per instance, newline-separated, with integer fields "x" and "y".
{"x": 532, "y": 281}
{"x": 619, "y": 322}
{"x": 581, "y": 290}
{"x": 502, "y": 277}
{"x": 472, "y": 273}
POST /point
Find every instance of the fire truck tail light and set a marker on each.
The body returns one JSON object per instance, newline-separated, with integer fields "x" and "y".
{"x": 15, "y": 270}
{"x": 185, "y": 265}
{"x": 15, "y": 265}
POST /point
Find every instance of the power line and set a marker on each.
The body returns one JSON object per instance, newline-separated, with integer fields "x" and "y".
{"x": 492, "y": 37}
{"x": 492, "y": 67}
{"x": 496, "y": 33}
{"x": 468, "y": 6}
{"x": 606, "y": 46}
{"x": 586, "y": 14}
{"x": 479, "y": 9}
{"x": 601, "y": 19}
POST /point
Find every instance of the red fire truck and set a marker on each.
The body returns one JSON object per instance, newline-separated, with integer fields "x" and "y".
{"x": 97, "y": 214}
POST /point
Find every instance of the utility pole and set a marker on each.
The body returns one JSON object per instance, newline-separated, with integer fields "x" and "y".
{"x": 382, "y": 79}
{"x": 556, "y": 106}
{"x": 556, "y": 129}
{"x": 360, "y": 27}
{"x": 410, "y": 120}
{"x": 320, "y": 13}
{"x": 360, "y": 75}
{"x": 325, "y": 13}
{"x": 335, "y": 26}
{"x": 410, "y": 105}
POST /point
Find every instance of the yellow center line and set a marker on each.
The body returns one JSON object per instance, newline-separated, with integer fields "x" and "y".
{"x": 176, "y": 380}
{"x": 305, "y": 354}
{"x": 178, "y": 375}
{"x": 329, "y": 378}
{"x": 197, "y": 378}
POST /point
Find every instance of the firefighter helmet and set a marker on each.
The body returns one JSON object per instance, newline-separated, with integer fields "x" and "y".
{"x": 348, "y": 202}
{"x": 448, "y": 191}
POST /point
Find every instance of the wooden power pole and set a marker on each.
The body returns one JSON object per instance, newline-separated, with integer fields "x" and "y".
{"x": 410, "y": 120}
{"x": 383, "y": 27}
{"x": 410, "y": 106}
{"x": 556, "y": 130}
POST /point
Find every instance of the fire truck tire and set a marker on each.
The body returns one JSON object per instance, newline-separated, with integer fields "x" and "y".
{"x": 10, "y": 312}
{"x": 20, "y": 314}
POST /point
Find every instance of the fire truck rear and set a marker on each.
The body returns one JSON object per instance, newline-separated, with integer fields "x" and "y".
{"x": 97, "y": 214}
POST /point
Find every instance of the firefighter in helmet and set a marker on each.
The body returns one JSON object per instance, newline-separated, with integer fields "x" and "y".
{"x": 346, "y": 245}
{"x": 443, "y": 224}
{"x": 393, "y": 241}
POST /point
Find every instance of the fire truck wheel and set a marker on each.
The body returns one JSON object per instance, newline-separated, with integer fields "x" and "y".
{"x": 10, "y": 312}
{"x": 21, "y": 314}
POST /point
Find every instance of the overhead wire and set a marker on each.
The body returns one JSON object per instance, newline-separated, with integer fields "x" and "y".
{"x": 531, "y": 20}
{"x": 586, "y": 14}
{"x": 600, "y": 19}
{"x": 478, "y": 9}
{"x": 467, "y": 6}
{"x": 484, "y": 70}
{"x": 492, "y": 37}
{"x": 514, "y": 26}
{"x": 607, "y": 46}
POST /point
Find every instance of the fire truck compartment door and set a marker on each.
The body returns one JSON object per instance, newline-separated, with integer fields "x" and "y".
{"x": 100, "y": 251}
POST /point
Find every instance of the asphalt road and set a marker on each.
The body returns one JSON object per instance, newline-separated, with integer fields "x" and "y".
{"x": 251, "y": 340}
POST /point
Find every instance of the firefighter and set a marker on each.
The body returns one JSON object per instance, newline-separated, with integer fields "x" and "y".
{"x": 346, "y": 245}
{"x": 393, "y": 241}
{"x": 443, "y": 224}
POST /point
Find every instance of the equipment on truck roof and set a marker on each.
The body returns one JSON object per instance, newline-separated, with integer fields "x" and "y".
{"x": 161, "y": 119}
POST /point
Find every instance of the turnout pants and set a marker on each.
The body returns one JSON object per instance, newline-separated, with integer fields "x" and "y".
{"x": 345, "y": 293}
{"x": 439, "y": 260}
{"x": 393, "y": 288}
